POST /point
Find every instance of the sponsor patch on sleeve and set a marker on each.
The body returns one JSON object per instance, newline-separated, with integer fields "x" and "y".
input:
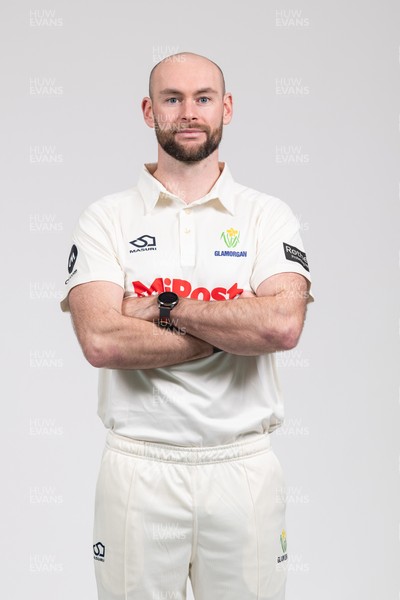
{"x": 73, "y": 255}
{"x": 296, "y": 255}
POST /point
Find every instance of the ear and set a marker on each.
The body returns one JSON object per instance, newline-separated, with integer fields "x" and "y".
{"x": 228, "y": 108}
{"x": 147, "y": 109}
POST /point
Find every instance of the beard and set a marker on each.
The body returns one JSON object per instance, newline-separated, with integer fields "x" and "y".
{"x": 188, "y": 154}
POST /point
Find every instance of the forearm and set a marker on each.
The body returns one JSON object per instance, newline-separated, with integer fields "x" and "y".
{"x": 129, "y": 343}
{"x": 109, "y": 338}
{"x": 247, "y": 326}
{"x": 270, "y": 320}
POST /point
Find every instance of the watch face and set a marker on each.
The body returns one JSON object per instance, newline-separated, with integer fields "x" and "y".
{"x": 168, "y": 299}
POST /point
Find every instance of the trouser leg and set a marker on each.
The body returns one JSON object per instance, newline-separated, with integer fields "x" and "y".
{"x": 241, "y": 540}
{"x": 142, "y": 529}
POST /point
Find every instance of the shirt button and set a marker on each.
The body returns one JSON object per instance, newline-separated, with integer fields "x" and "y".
{"x": 186, "y": 230}
{"x": 188, "y": 211}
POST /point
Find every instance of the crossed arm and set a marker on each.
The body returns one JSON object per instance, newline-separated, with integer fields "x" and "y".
{"x": 122, "y": 333}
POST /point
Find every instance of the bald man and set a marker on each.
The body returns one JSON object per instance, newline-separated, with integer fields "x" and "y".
{"x": 181, "y": 289}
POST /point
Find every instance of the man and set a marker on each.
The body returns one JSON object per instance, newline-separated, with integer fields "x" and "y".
{"x": 181, "y": 289}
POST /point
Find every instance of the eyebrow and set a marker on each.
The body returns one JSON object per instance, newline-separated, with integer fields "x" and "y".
{"x": 168, "y": 91}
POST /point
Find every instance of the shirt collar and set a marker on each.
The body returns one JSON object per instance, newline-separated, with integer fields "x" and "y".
{"x": 153, "y": 191}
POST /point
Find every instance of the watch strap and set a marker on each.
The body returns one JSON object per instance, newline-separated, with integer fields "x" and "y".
{"x": 165, "y": 316}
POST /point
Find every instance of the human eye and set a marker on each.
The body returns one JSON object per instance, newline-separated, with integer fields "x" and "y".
{"x": 172, "y": 100}
{"x": 204, "y": 100}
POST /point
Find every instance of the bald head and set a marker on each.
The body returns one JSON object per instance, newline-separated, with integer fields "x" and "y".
{"x": 184, "y": 62}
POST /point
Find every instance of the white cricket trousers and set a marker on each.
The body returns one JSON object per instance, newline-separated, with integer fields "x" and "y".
{"x": 215, "y": 514}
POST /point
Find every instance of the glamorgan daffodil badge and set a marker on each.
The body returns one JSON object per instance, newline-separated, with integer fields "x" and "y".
{"x": 231, "y": 237}
{"x": 283, "y": 541}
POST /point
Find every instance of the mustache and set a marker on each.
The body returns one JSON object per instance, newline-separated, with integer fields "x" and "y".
{"x": 184, "y": 126}
{"x": 172, "y": 128}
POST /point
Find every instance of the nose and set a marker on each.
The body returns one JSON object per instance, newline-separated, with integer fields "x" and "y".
{"x": 188, "y": 111}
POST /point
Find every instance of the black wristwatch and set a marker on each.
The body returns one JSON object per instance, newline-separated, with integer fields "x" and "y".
{"x": 166, "y": 302}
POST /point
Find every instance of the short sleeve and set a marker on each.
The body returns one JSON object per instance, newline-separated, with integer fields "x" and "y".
{"x": 279, "y": 246}
{"x": 93, "y": 256}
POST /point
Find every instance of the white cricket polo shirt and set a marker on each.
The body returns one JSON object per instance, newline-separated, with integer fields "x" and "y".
{"x": 147, "y": 240}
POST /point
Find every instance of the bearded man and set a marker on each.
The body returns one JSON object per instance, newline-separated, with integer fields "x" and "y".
{"x": 181, "y": 290}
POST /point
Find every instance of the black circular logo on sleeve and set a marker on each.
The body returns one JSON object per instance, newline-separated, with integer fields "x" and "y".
{"x": 73, "y": 255}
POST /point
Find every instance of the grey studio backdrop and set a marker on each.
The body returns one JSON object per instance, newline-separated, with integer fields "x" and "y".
{"x": 316, "y": 123}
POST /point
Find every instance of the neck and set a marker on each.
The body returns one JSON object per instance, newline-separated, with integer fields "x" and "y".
{"x": 188, "y": 181}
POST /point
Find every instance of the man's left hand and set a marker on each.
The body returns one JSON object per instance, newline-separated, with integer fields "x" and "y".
{"x": 144, "y": 308}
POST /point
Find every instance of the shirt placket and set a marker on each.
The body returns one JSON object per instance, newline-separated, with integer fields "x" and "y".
{"x": 187, "y": 236}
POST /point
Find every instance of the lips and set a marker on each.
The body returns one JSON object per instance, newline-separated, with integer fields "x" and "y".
{"x": 190, "y": 131}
